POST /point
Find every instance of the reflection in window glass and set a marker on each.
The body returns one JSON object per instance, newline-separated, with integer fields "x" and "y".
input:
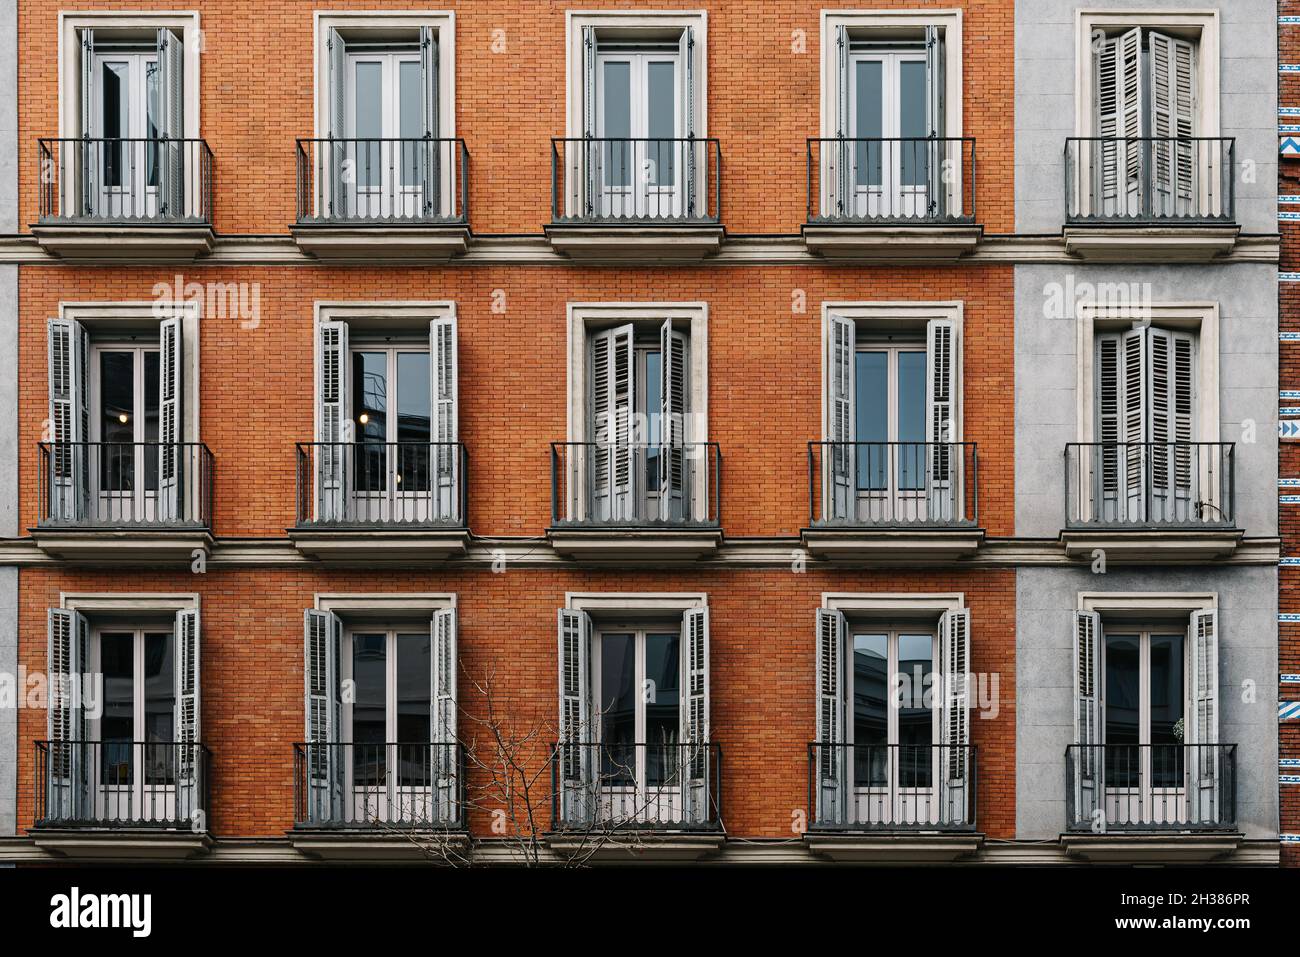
{"x": 661, "y": 111}
{"x": 616, "y": 114}
{"x": 1166, "y": 693}
{"x": 117, "y": 724}
{"x": 368, "y": 123}
{"x": 114, "y": 121}
{"x": 617, "y": 707}
{"x": 872, "y": 372}
{"x": 1123, "y": 710}
{"x": 870, "y": 709}
{"x": 410, "y": 119}
{"x": 663, "y": 706}
{"x": 868, "y": 121}
{"x": 117, "y": 421}
{"x": 159, "y": 707}
{"x": 911, "y": 420}
{"x": 414, "y": 671}
{"x": 915, "y": 717}
{"x": 370, "y": 415}
{"x": 369, "y": 707}
{"x": 413, "y": 421}
{"x": 911, "y": 122}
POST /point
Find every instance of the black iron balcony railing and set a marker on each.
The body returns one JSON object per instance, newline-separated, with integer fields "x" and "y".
{"x": 122, "y": 783}
{"x": 125, "y": 484}
{"x": 412, "y": 484}
{"x": 125, "y": 181}
{"x": 893, "y": 484}
{"x": 888, "y": 181}
{"x": 622, "y": 180}
{"x": 1151, "y": 787}
{"x": 1144, "y": 180}
{"x": 421, "y": 181}
{"x": 1150, "y": 484}
{"x": 379, "y": 785}
{"x": 924, "y": 787}
{"x": 635, "y": 785}
{"x": 660, "y": 484}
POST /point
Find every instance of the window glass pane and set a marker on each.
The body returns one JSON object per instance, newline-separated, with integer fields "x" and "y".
{"x": 150, "y": 420}
{"x": 117, "y": 421}
{"x": 114, "y": 121}
{"x": 1123, "y": 701}
{"x": 159, "y": 707}
{"x": 872, "y": 413}
{"x": 911, "y": 121}
{"x": 868, "y": 122}
{"x": 367, "y": 122}
{"x": 915, "y": 712}
{"x": 616, "y": 121}
{"x": 411, "y": 119}
{"x": 370, "y": 415}
{"x": 870, "y": 709}
{"x": 369, "y": 671}
{"x": 617, "y": 707}
{"x": 653, "y": 405}
{"x": 911, "y": 420}
{"x": 1167, "y": 731}
{"x": 661, "y": 112}
{"x": 663, "y": 706}
{"x": 414, "y": 662}
{"x": 413, "y": 421}
{"x": 117, "y": 724}
{"x": 152, "y": 125}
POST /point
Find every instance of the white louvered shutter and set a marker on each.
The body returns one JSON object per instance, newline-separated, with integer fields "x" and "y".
{"x": 589, "y": 189}
{"x": 943, "y": 403}
{"x": 1088, "y": 763}
{"x": 1102, "y": 463}
{"x": 86, "y": 168}
{"x": 686, "y": 55}
{"x": 1172, "y": 78}
{"x": 334, "y": 430}
{"x": 1135, "y": 424}
{"x": 171, "y": 90}
{"x": 954, "y": 643}
{"x": 444, "y": 381}
{"x": 172, "y": 461}
{"x": 576, "y": 734}
{"x": 1119, "y": 98}
{"x": 839, "y": 460}
{"x": 832, "y": 759}
{"x": 939, "y": 185}
{"x": 697, "y": 757}
{"x": 430, "y": 161}
{"x": 442, "y": 723}
{"x": 838, "y": 166}
{"x": 324, "y": 771}
{"x": 676, "y": 478}
{"x": 69, "y": 478}
{"x": 338, "y": 191}
{"x": 609, "y": 459}
{"x": 189, "y": 713}
{"x": 1170, "y": 401}
{"x": 1203, "y": 728}
{"x": 68, "y": 797}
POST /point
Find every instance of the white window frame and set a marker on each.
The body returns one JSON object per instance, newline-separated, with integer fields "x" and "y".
{"x": 390, "y": 630}
{"x": 1205, "y": 22}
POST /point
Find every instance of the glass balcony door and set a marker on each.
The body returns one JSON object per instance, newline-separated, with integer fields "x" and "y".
{"x": 385, "y": 118}
{"x": 887, "y": 105}
{"x": 638, "y": 118}
{"x": 125, "y": 125}
{"x": 892, "y": 458}
{"x": 124, "y": 417}
{"x": 391, "y": 467}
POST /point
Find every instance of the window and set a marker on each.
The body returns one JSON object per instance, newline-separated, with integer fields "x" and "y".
{"x": 126, "y": 109}
{"x": 1145, "y": 705}
{"x": 391, "y": 405}
{"x": 637, "y": 691}
{"x": 390, "y": 670}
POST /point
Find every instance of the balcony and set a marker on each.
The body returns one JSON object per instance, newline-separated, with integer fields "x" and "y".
{"x": 381, "y": 501}
{"x": 636, "y": 502}
{"x": 1132, "y": 803}
{"x": 382, "y": 199}
{"x": 1150, "y": 501}
{"x": 379, "y": 801}
{"x": 1163, "y": 199}
{"x": 127, "y": 800}
{"x": 661, "y": 800}
{"x": 897, "y": 199}
{"x": 124, "y": 501}
{"x": 893, "y": 501}
{"x": 636, "y": 199}
{"x": 124, "y": 199}
{"x": 908, "y": 803}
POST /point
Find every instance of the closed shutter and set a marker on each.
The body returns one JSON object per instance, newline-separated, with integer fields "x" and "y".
{"x": 586, "y": 204}
{"x": 1203, "y": 728}
{"x": 431, "y": 159}
{"x": 443, "y": 378}
{"x": 171, "y": 88}
{"x": 943, "y": 398}
{"x": 1105, "y": 473}
{"x": 675, "y": 459}
{"x": 839, "y": 166}
{"x": 954, "y": 644}
{"x": 88, "y": 162}
{"x": 1117, "y": 159}
{"x": 936, "y": 158}
{"x": 839, "y": 460}
{"x": 189, "y": 713}
{"x": 171, "y": 458}
{"x": 1088, "y": 762}
{"x": 574, "y": 753}
{"x": 1173, "y": 478}
{"x": 334, "y": 430}
{"x": 324, "y": 771}
{"x": 1135, "y": 427}
{"x": 613, "y": 390}
{"x": 338, "y": 86}
{"x": 69, "y": 478}
{"x": 686, "y": 54}
{"x": 830, "y": 756}
{"x": 698, "y": 785}
{"x": 1172, "y": 65}
{"x": 68, "y": 795}
{"x": 442, "y": 720}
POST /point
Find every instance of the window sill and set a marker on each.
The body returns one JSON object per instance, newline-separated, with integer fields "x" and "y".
{"x": 1167, "y": 242}
{"x": 891, "y": 242}
{"x": 891, "y": 545}
{"x": 381, "y": 241}
{"x": 894, "y": 847}
{"x": 1147, "y": 848}
{"x": 100, "y": 241}
{"x": 1144, "y": 544}
{"x": 636, "y": 242}
{"x": 612, "y": 543}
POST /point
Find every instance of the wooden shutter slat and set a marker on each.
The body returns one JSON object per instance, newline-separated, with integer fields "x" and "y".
{"x": 574, "y": 634}
{"x": 954, "y": 642}
{"x": 442, "y": 720}
{"x": 673, "y": 455}
{"x": 828, "y": 750}
{"x": 1087, "y": 713}
{"x": 839, "y": 461}
{"x": 334, "y": 424}
{"x": 695, "y": 713}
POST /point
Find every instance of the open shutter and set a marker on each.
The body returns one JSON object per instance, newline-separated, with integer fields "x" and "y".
{"x": 686, "y": 54}
{"x": 1105, "y": 473}
{"x": 431, "y": 161}
{"x": 829, "y": 753}
{"x": 937, "y": 156}
{"x": 1203, "y": 728}
{"x": 1119, "y": 98}
{"x": 577, "y": 800}
{"x": 171, "y": 89}
{"x": 674, "y": 457}
{"x": 334, "y": 429}
{"x": 1135, "y": 425}
{"x": 613, "y": 390}
{"x": 1170, "y": 403}
{"x": 68, "y": 775}
{"x": 586, "y": 205}
{"x": 87, "y": 163}
{"x": 189, "y": 786}
{"x": 1172, "y": 75}
{"x": 324, "y": 771}
{"x": 171, "y": 458}
{"x": 943, "y": 397}
{"x": 338, "y": 150}
{"x": 443, "y": 376}
{"x": 838, "y": 167}
{"x": 1087, "y": 765}
{"x": 442, "y": 720}
{"x": 954, "y": 642}
{"x": 839, "y": 460}
{"x": 698, "y": 784}
{"x": 69, "y": 476}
